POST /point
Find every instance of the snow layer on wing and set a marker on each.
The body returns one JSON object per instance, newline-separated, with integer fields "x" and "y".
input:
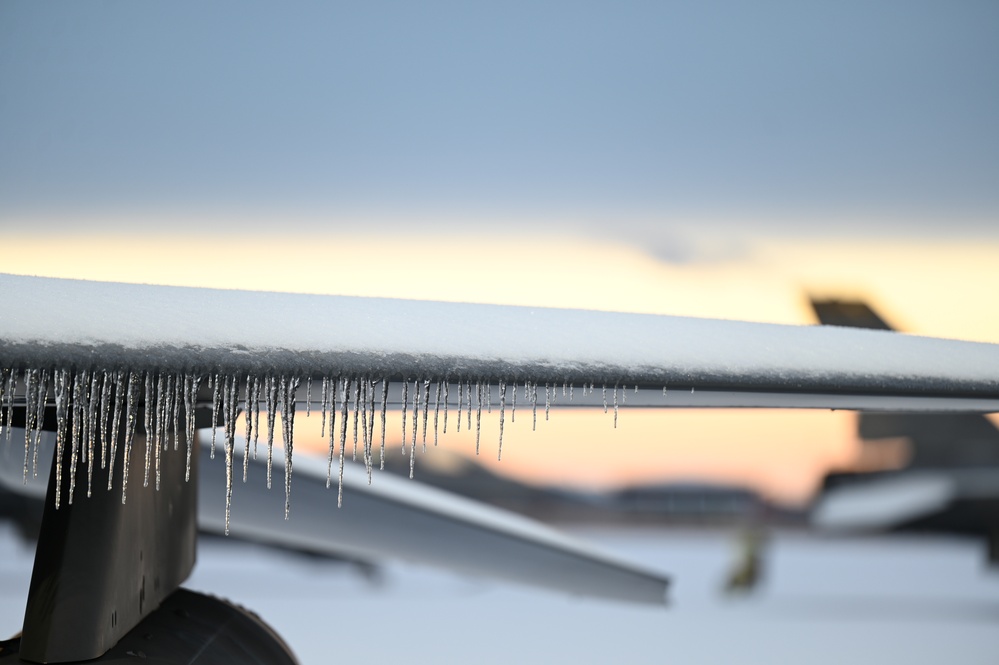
{"x": 104, "y": 324}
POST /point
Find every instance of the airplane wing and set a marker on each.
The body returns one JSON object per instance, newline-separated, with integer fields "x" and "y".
{"x": 674, "y": 361}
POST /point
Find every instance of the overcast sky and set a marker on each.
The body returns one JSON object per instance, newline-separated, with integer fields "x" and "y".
{"x": 593, "y": 111}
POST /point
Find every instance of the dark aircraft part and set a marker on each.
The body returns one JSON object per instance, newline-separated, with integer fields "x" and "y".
{"x": 191, "y": 629}
{"x": 848, "y": 314}
{"x": 971, "y": 517}
{"x": 938, "y": 440}
{"x": 103, "y": 565}
{"x": 958, "y": 446}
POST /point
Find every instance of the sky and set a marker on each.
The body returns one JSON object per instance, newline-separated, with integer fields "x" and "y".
{"x": 718, "y": 159}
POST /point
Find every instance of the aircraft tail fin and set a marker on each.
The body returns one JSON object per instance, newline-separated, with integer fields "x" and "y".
{"x": 848, "y": 314}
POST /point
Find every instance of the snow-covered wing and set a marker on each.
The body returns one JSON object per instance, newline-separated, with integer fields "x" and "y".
{"x": 56, "y": 322}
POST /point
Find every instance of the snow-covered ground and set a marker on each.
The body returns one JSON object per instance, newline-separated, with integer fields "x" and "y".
{"x": 858, "y": 600}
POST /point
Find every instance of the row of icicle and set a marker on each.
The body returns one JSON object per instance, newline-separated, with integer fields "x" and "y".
{"x": 93, "y": 405}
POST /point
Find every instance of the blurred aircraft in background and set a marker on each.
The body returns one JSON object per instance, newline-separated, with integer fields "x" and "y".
{"x": 949, "y": 478}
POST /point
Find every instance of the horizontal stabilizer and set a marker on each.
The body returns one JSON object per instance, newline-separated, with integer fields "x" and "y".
{"x": 882, "y": 503}
{"x": 908, "y": 499}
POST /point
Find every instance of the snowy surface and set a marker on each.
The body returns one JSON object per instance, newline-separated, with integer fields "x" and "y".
{"x": 106, "y": 325}
{"x": 870, "y": 600}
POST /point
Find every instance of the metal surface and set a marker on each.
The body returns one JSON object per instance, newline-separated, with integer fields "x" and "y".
{"x": 101, "y": 565}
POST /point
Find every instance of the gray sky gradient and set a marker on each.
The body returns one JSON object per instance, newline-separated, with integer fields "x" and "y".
{"x": 598, "y": 110}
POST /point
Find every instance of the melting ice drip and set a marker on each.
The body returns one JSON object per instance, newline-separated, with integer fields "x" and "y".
{"x": 94, "y": 406}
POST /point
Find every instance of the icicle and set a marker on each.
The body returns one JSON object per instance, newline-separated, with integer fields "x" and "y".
{"x": 426, "y": 410}
{"x": 488, "y": 391}
{"x": 105, "y": 412}
{"x": 534, "y": 406}
{"x": 175, "y": 389}
{"x": 168, "y": 406}
{"x": 331, "y": 399}
{"x": 75, "y": 435}
{"x": 147, "y": 421}
{"x": 43, "y": 391}
{"x": 158, "y": 438}
{"x": 345, "y": 388}
{"x": 272, "y": 399}
{"x": 290, "y": 388}
{"x": 109, "y": 421}
{"x": 131, "y": 422}
{"x": 77, "y": 409}
{"x": 437, "y": 410}
{"x": 548, "y": 400}
{"x": 447, "y": 395}
{"x": 365, "y": 448}
{"x": 357, "y": 408}
{"x": 468, "y": 391}
{"x": 624, "y": 394}
{"x": 405, "y": 399}
{"x": 325, "y": 399}
{"x": 461, "y": 392}
{"x": 502, "y": 413}
{"x": 604, "y": 389}
{"x": 190, "y": 405}
{"x": 248, "y": 417}
{"x": 565, "y": 388}
{"x": 120, "y": 389}
{"x": 9, "y": 381}
{"x": 93, "y": 412}
{"x": 416, "y": 417}
{"x": 163, "y": 411}
{"x": 615, "y": 406}
{"x": 664, "y": 391}
{"x": 61, "y": 390}
{"x": 30, "y": 398}
{"x": 256, "y": 414}
{"x": 478, "y": 415}
{"x": 229, "y": 399}
{"x": 570, "y": 391}
{"x": 369, "y": 389}
{"x": 513, "y": 407}
{"x": 216, "y": 399}
{"x": 381, "y": 453}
